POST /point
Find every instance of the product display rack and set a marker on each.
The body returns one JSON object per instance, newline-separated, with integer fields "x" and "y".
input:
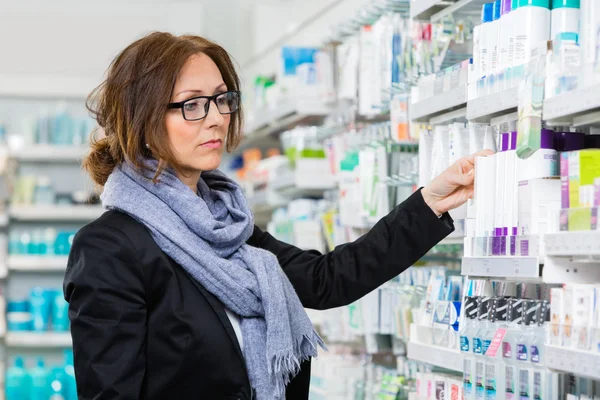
{"x": 436, "y": 10}
{"x": 441, "y": 108}
{"x": 32, "y": 340}
{"x": 50, "y": 154}
{"x": 579, "y": 107}
{"x": 437, "y": 356}
{"x": 484, "y": 108}
{"x": 286, "y": 115}
{"x": 578, "y": 362}
{"x": 37, "y": 263}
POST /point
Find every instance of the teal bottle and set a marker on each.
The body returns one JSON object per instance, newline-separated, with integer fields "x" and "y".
{"x": 57, "y": 389}
{"x": 69, "y": 382}
{"x": 17, "y": 381}
{"x": 39, "y": 381}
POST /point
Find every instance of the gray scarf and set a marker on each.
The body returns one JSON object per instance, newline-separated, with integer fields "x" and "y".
{"x": 206, "y": 234}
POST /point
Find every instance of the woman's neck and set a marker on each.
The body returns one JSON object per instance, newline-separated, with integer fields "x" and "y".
{"x": 190, "y": 179}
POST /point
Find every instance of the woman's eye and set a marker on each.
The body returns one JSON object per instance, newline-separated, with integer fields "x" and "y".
{"x": 222, "y": 101}
{"x": 191, "y": 106}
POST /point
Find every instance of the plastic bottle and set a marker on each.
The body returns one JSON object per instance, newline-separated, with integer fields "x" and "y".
{"x": 588, "y": 31}
{"x": 504, "y": 38}
{"x": 525, "y": 369}
{"x": 538, "y": 352}
{"x": 487, "y": 17}
{"x": 69, "y": 382}
{"x": 57, "y": 390}
{"x": 17, "y": 381}
{"x": 493, "y": 46}
{"x": 509, "y": 347}
{"x": 39, "y": 381}
{"x": 532, "y": 24}
{"x": 466, "y": 342}
{"x": 479, "y": 346}
{"x": 494, "y": 368}
{"x": 40, "y": 309}
{"x": 565, "y": 17}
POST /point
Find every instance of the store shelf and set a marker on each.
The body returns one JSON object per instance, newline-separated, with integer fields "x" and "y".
{"x": 578, "y": 107}
{"x": 573, "y": 244}
{"x": 290, "y": 113}
{"x": 423, "y": 10}
{"x": 578, "y": 362}
{"x": 483, "y": 109}
{"x": 50, "y": 154}
{"x": 436, "y": 10}
{"x": 443, "y": 106}
{"x": 40, "y": 87}
{"x": 38, "y": 339}
{"x": 37, "y": 263}
{"x": 437, "y": 356}
{"x": 55, "y": 213}
{"x": 505, "y": 267}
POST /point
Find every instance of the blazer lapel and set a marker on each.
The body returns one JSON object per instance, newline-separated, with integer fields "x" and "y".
{"x": 219, "y": 309}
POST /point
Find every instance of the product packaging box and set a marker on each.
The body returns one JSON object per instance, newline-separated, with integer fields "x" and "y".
{"x": 557, "y": 316}
{"x": 584, "y": 302}
{"x": 539, "y": 199}
{"x": 579, "y": 170}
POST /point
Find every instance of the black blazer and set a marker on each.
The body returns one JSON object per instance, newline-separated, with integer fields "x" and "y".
{"x": 143, "y": 329}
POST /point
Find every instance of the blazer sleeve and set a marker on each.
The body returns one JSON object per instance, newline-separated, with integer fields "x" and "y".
{"x": 105, "y": 289}
{"x": 352, "y": 270}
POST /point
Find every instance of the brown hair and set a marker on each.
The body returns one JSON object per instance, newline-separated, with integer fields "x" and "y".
{"x": 130, "y": 105}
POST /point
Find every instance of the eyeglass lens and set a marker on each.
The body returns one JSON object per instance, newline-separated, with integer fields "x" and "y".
{"x": 194, "y": 109}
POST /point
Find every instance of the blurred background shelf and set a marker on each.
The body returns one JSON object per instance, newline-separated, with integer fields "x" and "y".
{"x": 37, "y": 263}
{"x": 39, "y": 339}
{"x": 76, "y": 213}
{"x": 50, "y": 153}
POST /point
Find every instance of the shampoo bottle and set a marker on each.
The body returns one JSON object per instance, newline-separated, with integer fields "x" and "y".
{"x": 509, "y": 347}
{"x": 69, "y": 382}
{"x": 525, "y": 370}
{"x": 467, "y": 330}
{"x": 17, "y": 381}
{"x": 39, "y": 381}
{"x": 479, "y": 345}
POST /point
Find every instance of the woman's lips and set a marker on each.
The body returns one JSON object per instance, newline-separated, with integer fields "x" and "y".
{"x": 212, "y": 144}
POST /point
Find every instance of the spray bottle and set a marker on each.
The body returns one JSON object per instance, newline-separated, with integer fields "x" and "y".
{"x": 509, "y": 347}
{"x": 467, "y": 331}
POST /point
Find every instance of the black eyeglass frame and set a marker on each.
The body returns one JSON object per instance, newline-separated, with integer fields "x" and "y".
{"x": 211, "y": 99}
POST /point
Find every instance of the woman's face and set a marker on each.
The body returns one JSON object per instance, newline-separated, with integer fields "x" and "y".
{"x": 198, "y": 145}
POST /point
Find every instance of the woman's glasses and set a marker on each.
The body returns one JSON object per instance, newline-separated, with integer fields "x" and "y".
{"x": 197, "y": 108}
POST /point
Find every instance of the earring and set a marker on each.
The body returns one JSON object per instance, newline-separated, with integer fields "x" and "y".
{"x": 147, "y": 146}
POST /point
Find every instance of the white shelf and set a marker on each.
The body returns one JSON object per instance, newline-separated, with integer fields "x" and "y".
{"x": 440, "y": 105}
{"x": 39, "y": 339}
{"x": 506, "y": 267}
{"x": 573, "y": 244}
{"x": 579, "y": 362}
{"x": 435, "y": 355}
{"x": 422, "y": 10}
{"x": 460, "y": 9}
{"x": 435, "y": 10}
{"x": 574, "y": 107}
{"x": 50, "y": 153}
{"x": 37, "y": 263}
{"x": 40, "y": 87}
{"x": 289, "y": 113}
{"x": 483, "y": 109}
{"x": 55, "y": 213}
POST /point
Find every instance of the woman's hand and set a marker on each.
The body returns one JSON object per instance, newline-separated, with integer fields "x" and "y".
{"x": 453, "y": 187}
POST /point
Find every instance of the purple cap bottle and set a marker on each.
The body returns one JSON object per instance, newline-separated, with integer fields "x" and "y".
{"x": 569, "y": 141}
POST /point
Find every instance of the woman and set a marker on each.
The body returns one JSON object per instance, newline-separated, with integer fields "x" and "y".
{"x": 173, "y": 292}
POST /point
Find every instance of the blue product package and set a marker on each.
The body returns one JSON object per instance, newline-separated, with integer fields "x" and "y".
{"x": 60, "y": 316}
{"x": 40, "y": 309}
{"x": 17, "y": 381}
{"x": 39, "y": 381}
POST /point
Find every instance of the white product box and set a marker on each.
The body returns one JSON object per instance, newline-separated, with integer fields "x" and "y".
{"x": 537, "y": 199}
